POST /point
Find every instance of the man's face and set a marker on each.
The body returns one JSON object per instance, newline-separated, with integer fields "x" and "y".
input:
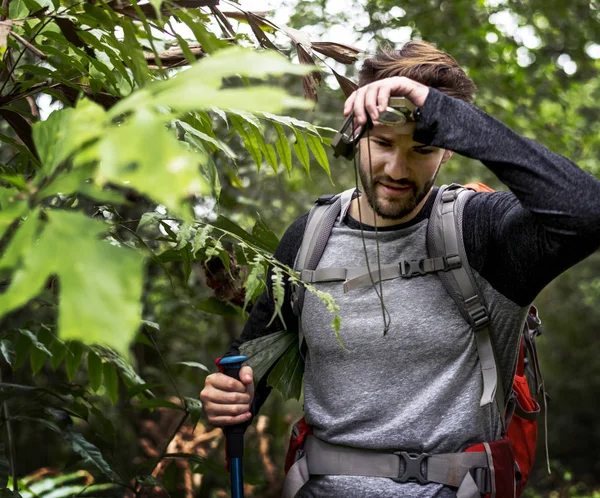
{"x": 403, "y": 171}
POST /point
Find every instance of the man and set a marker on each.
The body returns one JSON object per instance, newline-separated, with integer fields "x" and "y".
{"x": 417, "y": 388}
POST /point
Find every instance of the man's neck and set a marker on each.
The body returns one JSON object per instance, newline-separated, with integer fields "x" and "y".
{"x": 367, "y": 215}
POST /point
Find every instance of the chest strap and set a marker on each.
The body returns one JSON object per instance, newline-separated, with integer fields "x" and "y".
{"x": 357, "y": 277}
{"x": 469, "y": 472}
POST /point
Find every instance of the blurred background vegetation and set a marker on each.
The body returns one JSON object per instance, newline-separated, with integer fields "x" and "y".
{"x": 85, "y": 420}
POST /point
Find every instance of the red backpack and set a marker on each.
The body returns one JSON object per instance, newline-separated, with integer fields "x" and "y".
{"x": 511, "y": 458}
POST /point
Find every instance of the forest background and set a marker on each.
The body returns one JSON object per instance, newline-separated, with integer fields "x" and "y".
{"x": 152, "y": 155}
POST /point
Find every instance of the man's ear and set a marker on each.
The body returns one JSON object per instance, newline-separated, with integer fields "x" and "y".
{"x": 447, "y": 155}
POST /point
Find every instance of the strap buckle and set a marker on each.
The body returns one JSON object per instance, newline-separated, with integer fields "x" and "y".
{"x": 410, "y": 268}
{"x": 480, "y": 317}
{"x": 413, "y": 467}
{"x": 326, "y": 199}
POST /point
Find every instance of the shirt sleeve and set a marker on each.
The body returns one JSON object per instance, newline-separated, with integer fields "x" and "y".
{"x": 520, "y": 240}
{"x": 264, "y": 308}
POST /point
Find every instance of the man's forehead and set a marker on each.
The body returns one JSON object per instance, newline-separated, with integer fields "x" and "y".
{"x": 392, "y": 132}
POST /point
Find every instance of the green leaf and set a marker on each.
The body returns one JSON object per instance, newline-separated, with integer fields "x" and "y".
{"x": 142, "y": 388}
{"x": 193, "y": 364}
{"x": 318, "y": 151}
{"x": 90, "y": 453}
{"x": 8, "y": 351}
{"x": 288, "y": 374}
{"x": 37, "y": 359}
{"x": 73, "y": 359}
{"x": 34, "y": 340}
{"x": 249, "y": 139}
{"x": 132, "y": 51}
{"x": 59, "y": 352}
{"x": 80, "y": 180}
{"x": 65, "y": 131}
{"x": 11, "y": 210}
{"x": 264, "y": 351}
{"x": 22, "y": 241}
{"x": 100, "y": 284}
{"x": 207, "y": 138}
{"x": 215, "y": 307}
{"x": 149, "y": 404}
{"x": 194, "y": 406}
{"x": 22, "y": 346}
{"x": 253, "y": 282}
{"x": 127, "y": 372}
{"x": 111, "y": 381}
{"x": 263, "y": 234}
{"x": 283, "y": 148}
{"x": 232, "y": 61}
{"x": 278, "y": 294}
{"x": 94, "y": 364}
{"x": 143, "y": 155}
{"x": 301, "y": 150}
{"x": 227, "y": 226}
{"x": 150, "y": 217}
{"x": 207, "y": 40}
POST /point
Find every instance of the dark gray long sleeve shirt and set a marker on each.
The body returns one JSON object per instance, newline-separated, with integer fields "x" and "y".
{"x": 516, "y": 242}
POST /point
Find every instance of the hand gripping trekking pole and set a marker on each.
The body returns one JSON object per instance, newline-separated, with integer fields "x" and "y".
{"x": 234, "y": 434}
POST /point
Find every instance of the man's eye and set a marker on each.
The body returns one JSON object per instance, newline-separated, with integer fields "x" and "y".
{"x": 382, "y": 143}
{"x": 424, "y": 152}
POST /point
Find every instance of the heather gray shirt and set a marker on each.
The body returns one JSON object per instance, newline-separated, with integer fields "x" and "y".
{"x": 416, "y": 388}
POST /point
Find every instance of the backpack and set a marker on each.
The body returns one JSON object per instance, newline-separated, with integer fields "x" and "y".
{"x": 511, "y": 463}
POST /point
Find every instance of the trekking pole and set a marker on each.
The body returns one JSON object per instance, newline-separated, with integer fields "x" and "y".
{"x": 234, "y": 434}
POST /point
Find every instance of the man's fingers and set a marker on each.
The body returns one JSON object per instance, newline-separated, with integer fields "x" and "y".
{"x": 218, "y": 410}
{"x": 371, "y": 101}
{"x": 246, "y": 375}
{"x": 359, "y": 106}
{"x": 349, "y": 104}
{"x": 225, "y": 420}
{"x": 217, "y": 396}
{"x": 383, "y": 98}
{"x": 225, "y": 383}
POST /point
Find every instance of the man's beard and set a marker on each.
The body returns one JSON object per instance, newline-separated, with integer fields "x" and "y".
{"x": 394, "y": 208}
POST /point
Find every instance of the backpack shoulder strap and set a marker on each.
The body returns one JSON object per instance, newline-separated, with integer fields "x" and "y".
{"x": 321, "y": 219}
{"x": 444, "y": 238}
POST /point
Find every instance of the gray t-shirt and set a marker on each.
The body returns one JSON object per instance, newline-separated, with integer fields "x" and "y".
{"x": 418, "y": 387}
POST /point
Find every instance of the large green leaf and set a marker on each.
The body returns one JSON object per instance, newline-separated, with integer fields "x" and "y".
{"x": 22, "y": 241}
{"x": 11, "y": 208}
{"x": 264, "y": 351}
{"x": 100, "y": 284}
{"x": 90, "y": 453}
{"x": 288, "y": 373}
{"x": 65, "y": 131}
{"x": 144, "y": 155}
{"x": 240, "y": 61}
{"x": 111, "y": 381}
{"x": 200, "y": 86}
{"x": 263, "y": 234}
{"x": 94, "y": 365}
{"x": 128, "y": 374}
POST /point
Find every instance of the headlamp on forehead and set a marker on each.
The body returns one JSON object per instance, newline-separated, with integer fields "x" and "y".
{"x": 399, "y": 111}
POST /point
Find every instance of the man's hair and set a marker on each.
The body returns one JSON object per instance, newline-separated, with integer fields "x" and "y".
{"x": 422, "y": 62}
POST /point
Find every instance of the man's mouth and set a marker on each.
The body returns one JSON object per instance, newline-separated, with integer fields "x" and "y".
{"x": 395, "y": 190}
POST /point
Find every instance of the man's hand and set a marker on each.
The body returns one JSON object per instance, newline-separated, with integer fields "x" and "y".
{"x": 227, "y": 401}
{"x": 374, "y": 97}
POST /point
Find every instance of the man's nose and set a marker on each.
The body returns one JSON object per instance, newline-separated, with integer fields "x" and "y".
{"x": 397, "y": 165}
